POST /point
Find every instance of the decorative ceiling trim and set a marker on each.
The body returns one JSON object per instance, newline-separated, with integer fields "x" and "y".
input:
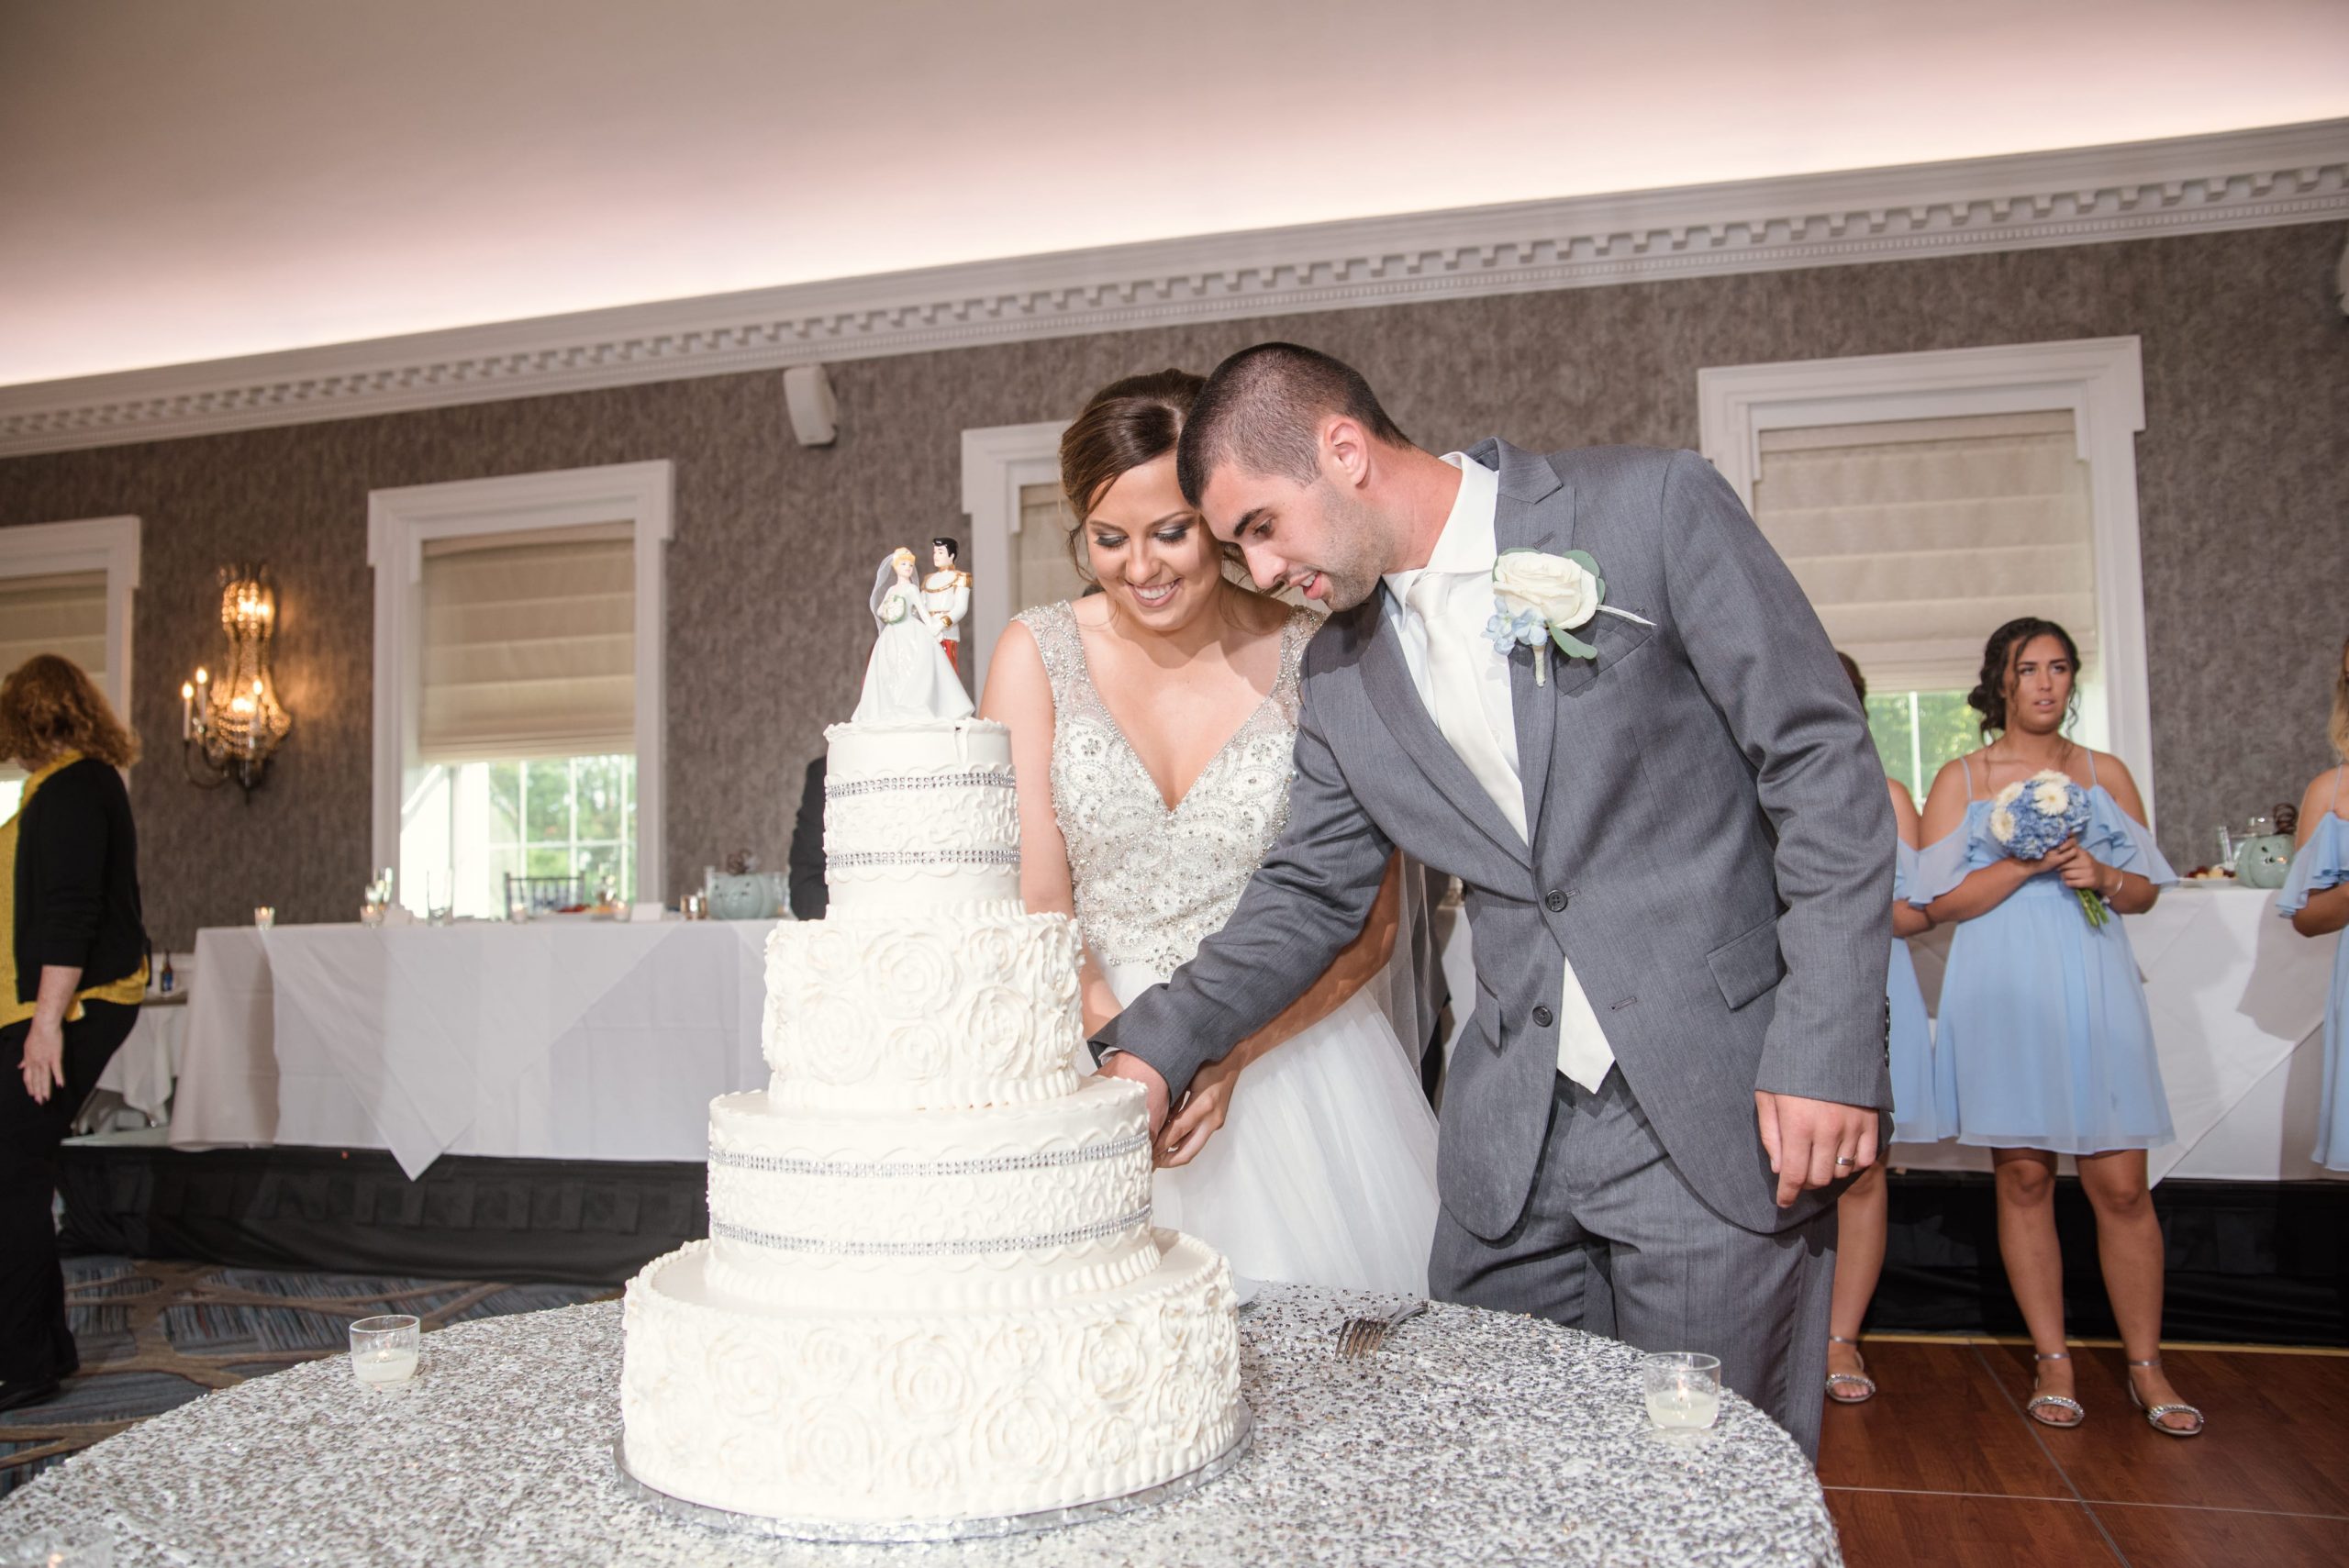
{"x": 2236, "y": 180}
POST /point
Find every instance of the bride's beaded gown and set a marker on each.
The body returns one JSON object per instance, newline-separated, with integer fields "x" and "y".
{"x": 1324, "y": 1171}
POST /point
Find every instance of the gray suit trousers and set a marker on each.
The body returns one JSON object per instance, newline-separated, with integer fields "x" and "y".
{"x": 1614, "y": 1241}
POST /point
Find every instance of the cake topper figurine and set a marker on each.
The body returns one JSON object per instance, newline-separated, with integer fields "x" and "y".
{"x": 946, "y": 594}
{"x": 910, "y": 677}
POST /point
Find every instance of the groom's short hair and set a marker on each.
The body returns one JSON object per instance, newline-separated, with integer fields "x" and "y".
{"x": 1262, "y": 409}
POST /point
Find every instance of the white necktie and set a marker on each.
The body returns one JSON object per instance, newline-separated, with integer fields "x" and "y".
{"x": 1452, "y": 700}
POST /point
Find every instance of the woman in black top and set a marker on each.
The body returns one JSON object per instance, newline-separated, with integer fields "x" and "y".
{"x": 73, "y": 956}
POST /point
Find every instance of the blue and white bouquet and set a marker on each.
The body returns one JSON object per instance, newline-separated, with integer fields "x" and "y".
{"x": 2033, "y": 815}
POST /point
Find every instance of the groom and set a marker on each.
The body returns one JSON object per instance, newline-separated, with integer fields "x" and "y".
{"x": 1677, "y": 852}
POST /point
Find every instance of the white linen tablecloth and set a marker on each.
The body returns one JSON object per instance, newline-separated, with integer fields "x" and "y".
{"x": 577, "y": 1040}
{"x": 2237, "y": 999}
{"x": 146, "y": 1064}
{"x": 226, "y": 1096}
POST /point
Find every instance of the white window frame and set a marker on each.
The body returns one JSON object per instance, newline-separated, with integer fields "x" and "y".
{"x": 998, "y": 463}
{"x": 401, "y": 522}
{"x": 2100, "y": 381}
{"x": 86, "y": 544}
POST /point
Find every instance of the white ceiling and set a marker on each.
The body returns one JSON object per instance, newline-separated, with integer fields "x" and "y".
{"x": 187, "y": 180}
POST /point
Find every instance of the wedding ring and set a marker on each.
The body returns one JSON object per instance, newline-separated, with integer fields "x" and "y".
{"x": 1843, "y": 1159}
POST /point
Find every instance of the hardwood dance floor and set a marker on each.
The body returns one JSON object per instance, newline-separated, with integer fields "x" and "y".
{"x": 1941, "y": 1468}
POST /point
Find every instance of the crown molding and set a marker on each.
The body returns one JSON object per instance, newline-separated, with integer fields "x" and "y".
{"x": 2236, "y": 180}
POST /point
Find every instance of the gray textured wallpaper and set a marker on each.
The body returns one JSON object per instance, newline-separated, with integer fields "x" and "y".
{"x": 2243, "y": 476}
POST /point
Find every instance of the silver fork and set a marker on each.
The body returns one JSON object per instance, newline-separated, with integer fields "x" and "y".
{"x": 1361, "y": 1336}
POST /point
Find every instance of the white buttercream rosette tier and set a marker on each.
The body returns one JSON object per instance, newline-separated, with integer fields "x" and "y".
{"x": 931, "y": 1290}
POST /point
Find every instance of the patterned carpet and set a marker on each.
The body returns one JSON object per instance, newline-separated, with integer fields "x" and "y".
{"x": 156, "y": 1334}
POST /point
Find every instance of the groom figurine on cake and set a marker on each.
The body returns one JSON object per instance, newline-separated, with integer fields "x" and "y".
{"x": 1584, "y": 685}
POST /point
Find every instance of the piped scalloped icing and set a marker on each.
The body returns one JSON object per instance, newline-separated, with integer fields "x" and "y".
{"x": 932, "y": 1290}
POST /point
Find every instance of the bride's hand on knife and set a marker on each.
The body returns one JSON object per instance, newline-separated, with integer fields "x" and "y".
{"x": 1203, "y": 1111}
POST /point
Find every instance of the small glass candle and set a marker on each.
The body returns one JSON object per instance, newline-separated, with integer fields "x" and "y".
{"x": 384, "y": 1350}
{"x": 1683, "y": 1389}
{"x": 48, "y": 1549}
{"x": 265, "y": 915}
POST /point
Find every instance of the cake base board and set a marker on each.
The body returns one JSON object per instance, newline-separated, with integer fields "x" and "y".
{"x": 879, "y": 1533}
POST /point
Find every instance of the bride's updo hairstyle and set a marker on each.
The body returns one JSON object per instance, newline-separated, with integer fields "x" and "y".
{"x": 1127, "y": 424}
{"x": 1988, "y": 698}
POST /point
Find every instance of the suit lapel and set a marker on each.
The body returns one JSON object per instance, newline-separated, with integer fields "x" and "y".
{"x": 1386, "y": 678}
{"x": 1534, "y": 512}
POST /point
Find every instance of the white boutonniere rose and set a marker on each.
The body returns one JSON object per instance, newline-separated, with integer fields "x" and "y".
{"x": 1539, "y": 599}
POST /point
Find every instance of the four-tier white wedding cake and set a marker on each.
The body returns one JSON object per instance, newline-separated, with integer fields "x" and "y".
{"x": 931, "y": 1290}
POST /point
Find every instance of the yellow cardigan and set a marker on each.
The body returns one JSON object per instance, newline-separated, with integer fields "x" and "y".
{"x": 129, "y": 991}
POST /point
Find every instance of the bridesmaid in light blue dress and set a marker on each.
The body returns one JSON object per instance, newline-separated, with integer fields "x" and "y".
{"x": 1924, "y": 1107}
{"x": 2316, "y": 900}
{"x": 2043, "y": 1017}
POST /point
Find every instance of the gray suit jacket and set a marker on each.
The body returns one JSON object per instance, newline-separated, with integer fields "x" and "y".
{"x": 1713, "y": 848}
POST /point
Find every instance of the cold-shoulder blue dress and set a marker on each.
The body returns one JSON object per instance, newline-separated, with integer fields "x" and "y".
{"x": 2042, "y": 1015}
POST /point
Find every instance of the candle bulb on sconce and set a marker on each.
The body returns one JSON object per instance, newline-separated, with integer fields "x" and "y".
{"x": 231, "y": 728}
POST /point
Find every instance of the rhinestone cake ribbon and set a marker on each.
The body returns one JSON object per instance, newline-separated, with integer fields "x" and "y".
{"x": 988, "y": 1165}
{"x": 976, "y": 779}
{"x": 924, "y": 858}
{"x": 950, "y": 1249}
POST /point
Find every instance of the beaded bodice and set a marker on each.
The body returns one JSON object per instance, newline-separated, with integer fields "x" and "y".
{"x": 1150, "y": 882}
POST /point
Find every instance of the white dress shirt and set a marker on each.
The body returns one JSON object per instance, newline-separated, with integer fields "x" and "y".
{"x": 1439, "y": 611}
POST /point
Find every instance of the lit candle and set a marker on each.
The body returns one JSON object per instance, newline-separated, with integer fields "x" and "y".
{"x": 187, "y": 711}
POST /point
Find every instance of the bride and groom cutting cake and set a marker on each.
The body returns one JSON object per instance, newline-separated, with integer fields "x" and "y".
{"x": 944, "y": 1278}
{"x": 1581, "y": 683}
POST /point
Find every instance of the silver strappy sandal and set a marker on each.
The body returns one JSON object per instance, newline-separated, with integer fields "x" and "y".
{"x": 2155, "y": 1413}
{"x": 1861, "y": 1381}
{"x": 2055, "y": 1401}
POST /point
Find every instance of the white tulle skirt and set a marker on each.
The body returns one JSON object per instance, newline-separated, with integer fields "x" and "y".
{"x": 1324, "y": 1171}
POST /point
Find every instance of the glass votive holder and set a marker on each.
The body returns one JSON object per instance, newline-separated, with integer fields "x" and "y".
{"x": 371, "y": 914}
{"x": 1683, "y": 1389}
{"x": 384, "y": 1350}
{"x": 50, "y": 1549}
{"x": 265, "y": 915}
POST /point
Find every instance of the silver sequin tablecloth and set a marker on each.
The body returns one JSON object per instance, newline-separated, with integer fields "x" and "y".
{"x": 1474, "y": 1437}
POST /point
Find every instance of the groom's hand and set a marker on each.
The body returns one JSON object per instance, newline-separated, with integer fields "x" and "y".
{"x": 1126, "y": 1065}
{"x": 1806, "y": 1138}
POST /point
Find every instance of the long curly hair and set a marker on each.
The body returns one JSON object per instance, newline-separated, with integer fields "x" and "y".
{"x": 49, "y": 705}
{"x": 1988, "y": 698}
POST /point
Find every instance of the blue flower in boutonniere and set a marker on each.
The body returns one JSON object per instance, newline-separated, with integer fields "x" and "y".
{"x": 1539, "y": 599}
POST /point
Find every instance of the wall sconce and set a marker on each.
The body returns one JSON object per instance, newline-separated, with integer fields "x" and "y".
{"x": 230, "y": 726}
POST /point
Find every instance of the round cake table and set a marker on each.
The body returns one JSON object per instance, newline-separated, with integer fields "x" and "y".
{"x": 1471, "y": 1437}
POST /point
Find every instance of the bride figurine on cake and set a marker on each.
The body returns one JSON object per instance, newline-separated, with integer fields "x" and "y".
{"x": 907, "y": 680}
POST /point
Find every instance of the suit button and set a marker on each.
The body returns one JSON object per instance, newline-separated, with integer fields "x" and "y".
{"x": 1542, "y": 1016}
{"x": 1555, "y": 900}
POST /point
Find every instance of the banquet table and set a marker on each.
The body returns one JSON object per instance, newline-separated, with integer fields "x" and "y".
{"x": 147, "y": 1063}
{"x": 1473, "y": 1436}
{"x": 580, "y": 1040}
{"x": 2237, "y": 999}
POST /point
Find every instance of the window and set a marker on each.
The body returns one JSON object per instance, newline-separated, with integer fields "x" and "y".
{"x": 1018, "y": 554}
{"x": 1923, "y": 499}
{"x": 519, "y": 705}
{"x": 1043, "y": 572}
{"x": 65, "y": 588}
{"x": 1912, "y": 538}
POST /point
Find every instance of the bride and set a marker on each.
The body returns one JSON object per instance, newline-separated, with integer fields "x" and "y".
{"x": 907, "y": 678}
{"x": 1151, "y": 727}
